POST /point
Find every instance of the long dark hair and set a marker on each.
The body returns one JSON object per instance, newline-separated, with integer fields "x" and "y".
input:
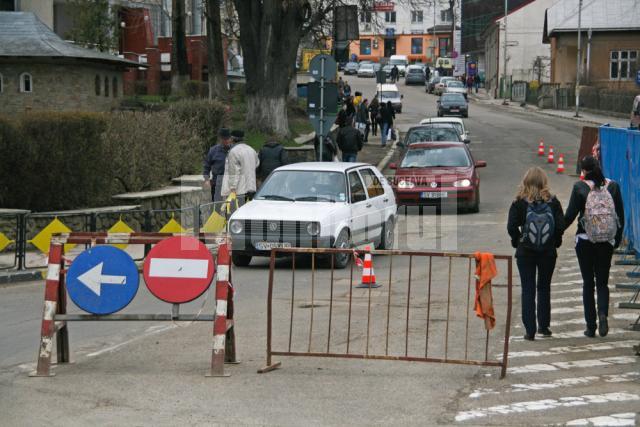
{"x": 592, "y": 170}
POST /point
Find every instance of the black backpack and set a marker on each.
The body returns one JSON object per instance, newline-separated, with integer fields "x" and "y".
{"x": 539, "y": 226}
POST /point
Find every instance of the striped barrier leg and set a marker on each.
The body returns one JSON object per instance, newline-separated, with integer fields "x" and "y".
{"x": 51, "y": 298}
{"x": 220, "y": 322}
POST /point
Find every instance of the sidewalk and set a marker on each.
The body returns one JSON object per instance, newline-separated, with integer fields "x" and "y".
{"x": 482, "y": 97}
{"x": 373, "y": 152}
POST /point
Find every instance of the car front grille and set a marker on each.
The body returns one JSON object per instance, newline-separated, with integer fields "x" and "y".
{"x": 274, "y": 229}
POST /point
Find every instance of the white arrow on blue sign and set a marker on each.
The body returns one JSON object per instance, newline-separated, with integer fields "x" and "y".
{"x": 102, "y": 280}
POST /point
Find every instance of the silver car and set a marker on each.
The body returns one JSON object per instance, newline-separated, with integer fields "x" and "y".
{"x": 455, "y": 86}
{"x": 415, "y": 75}
{"x": 366, "y": 70}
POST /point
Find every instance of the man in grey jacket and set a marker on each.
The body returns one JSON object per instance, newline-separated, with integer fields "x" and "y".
{"x": 240, "y": 170}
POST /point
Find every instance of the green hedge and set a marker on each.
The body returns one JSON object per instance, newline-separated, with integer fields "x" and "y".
{"x": 204, "y": 117}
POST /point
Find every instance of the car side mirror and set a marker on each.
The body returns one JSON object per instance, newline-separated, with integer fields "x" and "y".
{"x": 393, "y": 166}
{"x": 481, "y": 164}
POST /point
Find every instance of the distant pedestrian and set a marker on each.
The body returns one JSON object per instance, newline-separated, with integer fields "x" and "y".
{"x": 346, "y": 90}
{"x": 476, "y": 81}
{"x": 427, "y": 74}
{"x": 395, "y": 73}
{"x": 213, "y": 168}
{"x": 240, "y": 170}
{"x": 350, "y": 142}
{"x": 341, "y": 119}
{"x": 469, "y": 84}
{"x": 357, "y": 99}
{"x": 374, "y": 112}
{"x": 535, "y": 225}
{"x": 387, "y": 116}
{"x": 329, "y": 149}
{"x": 340, "y": 87}
{"x": 598, "y": 203}
{"x": 350, "y": 109}
{"x": 362, "y": 119}
{"x": 272, "y": 155}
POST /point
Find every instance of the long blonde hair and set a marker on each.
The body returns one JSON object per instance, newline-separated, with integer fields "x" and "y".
{"x": 534, "y": 186}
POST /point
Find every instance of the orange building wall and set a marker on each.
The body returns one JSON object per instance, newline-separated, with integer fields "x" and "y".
{"x": 403, "y": 47}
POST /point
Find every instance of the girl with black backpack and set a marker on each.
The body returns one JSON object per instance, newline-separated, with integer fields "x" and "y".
{"x": 598, "y": 202}
{"x": 536, "y": 224}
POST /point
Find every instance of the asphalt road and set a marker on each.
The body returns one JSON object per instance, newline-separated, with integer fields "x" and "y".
{"x": 150, "y": 373}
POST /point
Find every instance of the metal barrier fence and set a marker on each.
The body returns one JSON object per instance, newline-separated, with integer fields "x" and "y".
{"x": 427, "y": 287}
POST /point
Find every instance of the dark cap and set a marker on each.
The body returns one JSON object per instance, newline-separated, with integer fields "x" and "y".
{"x": 224, "y": 133}
{"x": 237, "y": 134}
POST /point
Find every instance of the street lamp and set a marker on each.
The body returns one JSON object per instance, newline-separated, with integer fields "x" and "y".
{"x": 579, "y": 59}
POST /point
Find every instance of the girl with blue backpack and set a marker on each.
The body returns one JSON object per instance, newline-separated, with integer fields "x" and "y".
{"x": 536, "y": 224}
{"x": 598, "y": 202}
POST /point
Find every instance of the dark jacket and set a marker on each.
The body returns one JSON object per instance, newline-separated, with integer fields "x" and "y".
{"x": 214, "y": 162}
{"x": 350, "y": 140}
{"x": 272, "y": 155}
{"x": 374, "y": 108}
{"x": 578, "y": 201}
{"x": 517, "y": 217}
{"x": 350, "y": 109}
{"x": 387, "y": 115}
{"x": 329, "y": 149}
{"x": 362, "y": 116}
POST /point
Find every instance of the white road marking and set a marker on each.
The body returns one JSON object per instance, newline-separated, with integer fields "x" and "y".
{"x": 567, "y": 283}
{"x": 576, "y": 274}
{"x": 623, "y": 419}
{"x": 545, "y": 404}
{"x": 612, "y": 345}
{"x": 180, "y": 268}
{"x": 150, "y": 331}
{"x": 584, "y": 363}
{"x": 566, "y": 310}
{"x": 560, "y": 383}
{"x": 580, "y": 320}
{"x": 612, "y": 296}
{"x": 577, "y": 334}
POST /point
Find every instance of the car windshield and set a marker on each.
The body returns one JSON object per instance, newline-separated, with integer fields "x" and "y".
{"x": 432, "y": 134}
{"x": 447, "y": 125}
{"x": 436, "y": 157}
{"x": 310, "y": 186}
{"x": 454, "y": 98}
{"x": 454, "y": 83}
{"x": 389, "y": 94}
{"x": 352, "y": 64}
{"x": 366, "y": 67}
{"x": 398, "y": 62}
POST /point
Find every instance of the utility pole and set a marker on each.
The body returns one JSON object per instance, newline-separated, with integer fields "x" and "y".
{"x": 453, "y": 31}
{"x": 579, "y": 60}
{"x": 504, "y": 73}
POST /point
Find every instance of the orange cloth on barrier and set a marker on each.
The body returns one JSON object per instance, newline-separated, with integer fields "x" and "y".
{"x": 485, "y": 271}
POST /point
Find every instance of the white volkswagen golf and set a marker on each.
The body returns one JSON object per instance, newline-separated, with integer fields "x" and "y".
{"x": 315, "y": 205}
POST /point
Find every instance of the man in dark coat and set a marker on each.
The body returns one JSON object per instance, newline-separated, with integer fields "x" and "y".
{"x": 350, "y": 141}
{"x": 329, "y": 149}
{"x": 272, "y": 155}
{"x": 213, "y": 168}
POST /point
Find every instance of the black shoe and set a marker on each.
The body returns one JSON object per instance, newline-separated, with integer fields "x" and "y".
{"x": 529, "y": 337}
{"x": 546, "y": 332}
{"x": 590, "y": 333}
{"x": 603, "y": 328}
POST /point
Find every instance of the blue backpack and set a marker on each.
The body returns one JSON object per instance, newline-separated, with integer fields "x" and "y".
{"x": 539, "y": 226}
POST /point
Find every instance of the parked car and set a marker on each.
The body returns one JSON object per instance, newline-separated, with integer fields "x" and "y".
{"x": 453, "y": 104}
{"x": 366, "y": 70}
{"x": 455, "y": 122}
{"x": 442, "y": 84}
{"x": 415, "y": 75}
{"x": 376, "y": 66}
{"x": 437, "y": 173}
{"x": 341, "y": 65}
{"x": 315, "y": 204}
{"x": 387, "y": 69}
{"x": 351, "y": 68}
{"x": 430, "y": 133}
{"x": 455, "y": 86}
{"x": 430, "y": 87}
{"x": 400, "y": 61}
{"x": 390, "y": 92}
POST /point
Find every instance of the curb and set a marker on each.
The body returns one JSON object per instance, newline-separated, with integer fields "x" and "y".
{"x": 20, "y": 276}
{"x": 387, "y": 158}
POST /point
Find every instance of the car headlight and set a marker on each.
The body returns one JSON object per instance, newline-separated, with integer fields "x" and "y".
{"x": 313, "y": 228}
{"x": 462, "y": 183}
{"x": 406, "y": 184}
{"x": 236, "y": 227}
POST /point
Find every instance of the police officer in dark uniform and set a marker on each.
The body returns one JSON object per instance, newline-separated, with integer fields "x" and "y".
{"x": 213, "y": 168}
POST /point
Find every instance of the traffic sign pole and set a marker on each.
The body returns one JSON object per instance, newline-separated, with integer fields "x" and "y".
{"x": 322, "y": 61}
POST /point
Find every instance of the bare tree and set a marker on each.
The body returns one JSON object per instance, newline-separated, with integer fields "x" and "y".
{"x": 215, "y": 54}
{"x": 179, "y": 64}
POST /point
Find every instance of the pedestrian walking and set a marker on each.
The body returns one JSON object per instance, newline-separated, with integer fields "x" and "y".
{"x": 374, "y": 111}
{"x": 350, "y": 142}
{"x": 240, "y": 170}
{"x": 350, "y": 109}
{"x": 535, "y": 225}
{"x": 340, "y": 87}
{"x": 362, "y": 119}
{"x": 329, "y": 149}
{"x": 213, "y": 167}
{"x": 394, "y": 74}
{"x": 387, "y": 115}
{"x": 597, "y": 202}
{"x": 469, "y": 84}
{"x": 476, "y": 81}
{"x": 346, "y": 90}
{"x": 272, "y": 155}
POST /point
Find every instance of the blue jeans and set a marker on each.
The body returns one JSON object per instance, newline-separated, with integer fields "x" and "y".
{"x": 532, "y": 282}
{"x": 349, "y": 157}
{"x": 385, "y": 131}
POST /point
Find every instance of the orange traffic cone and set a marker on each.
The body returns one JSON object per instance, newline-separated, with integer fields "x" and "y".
{"x": 581, "y": 175}
{"x": 560, "y": 168}
{"x": 368, "y": 275}
{"x": 541, "y": 148}
{"x": 550, "y": 157}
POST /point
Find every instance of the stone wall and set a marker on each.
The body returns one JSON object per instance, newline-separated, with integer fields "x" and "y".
{"x": 59, "y": 87}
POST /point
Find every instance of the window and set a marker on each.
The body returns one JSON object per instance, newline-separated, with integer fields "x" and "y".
{"x": 106, "y": 86}
{"x": 623, "y": 64}
{"x": 416, "y": 17}
{"x": 114, "y": 87}
{"x": 372, "y": 183}
{"x": 416, "y": 46}
{"x": 96, "y": 85}
{"x": 26, "y": 83}
{"x": 443, "y": 46}
{"x": 365, "y": 47}
{"x": 390, "y": 17}
{"x": 357, "y": 189}
{"x": 365, "y": 17}
{"x": 446, "y": 15}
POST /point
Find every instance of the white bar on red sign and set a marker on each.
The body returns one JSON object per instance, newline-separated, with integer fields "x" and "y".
{"x": 179, "y": 268}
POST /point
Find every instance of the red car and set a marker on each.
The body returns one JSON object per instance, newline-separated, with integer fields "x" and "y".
{"x": 436, "y": 172}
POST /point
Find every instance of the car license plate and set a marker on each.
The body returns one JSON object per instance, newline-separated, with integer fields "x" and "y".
{"x": 267, "y": 246}
{"x": 455, "y": 110}
{"x": 435, "y": 195}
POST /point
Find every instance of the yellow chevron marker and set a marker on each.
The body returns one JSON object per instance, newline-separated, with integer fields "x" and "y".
{"x": 217, "y": 220}
{"x": 4, "y": 242}
{"x": 42, "y": 240}
{"x": 172, "y": 226}
{"x": 120, "y": 227}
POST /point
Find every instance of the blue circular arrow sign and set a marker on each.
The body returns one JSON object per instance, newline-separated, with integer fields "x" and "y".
{"x": 102, "y": 280}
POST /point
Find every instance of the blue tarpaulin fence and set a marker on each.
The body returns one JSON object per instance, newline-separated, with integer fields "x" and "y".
{"x": 620, "y": 157}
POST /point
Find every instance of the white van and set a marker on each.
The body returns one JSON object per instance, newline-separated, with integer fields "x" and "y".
{"x": 400, "y": 61}
{"x": 390, "y": 92}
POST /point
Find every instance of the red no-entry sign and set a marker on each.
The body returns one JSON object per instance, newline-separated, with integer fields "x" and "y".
{"x": 178, "y": 269}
